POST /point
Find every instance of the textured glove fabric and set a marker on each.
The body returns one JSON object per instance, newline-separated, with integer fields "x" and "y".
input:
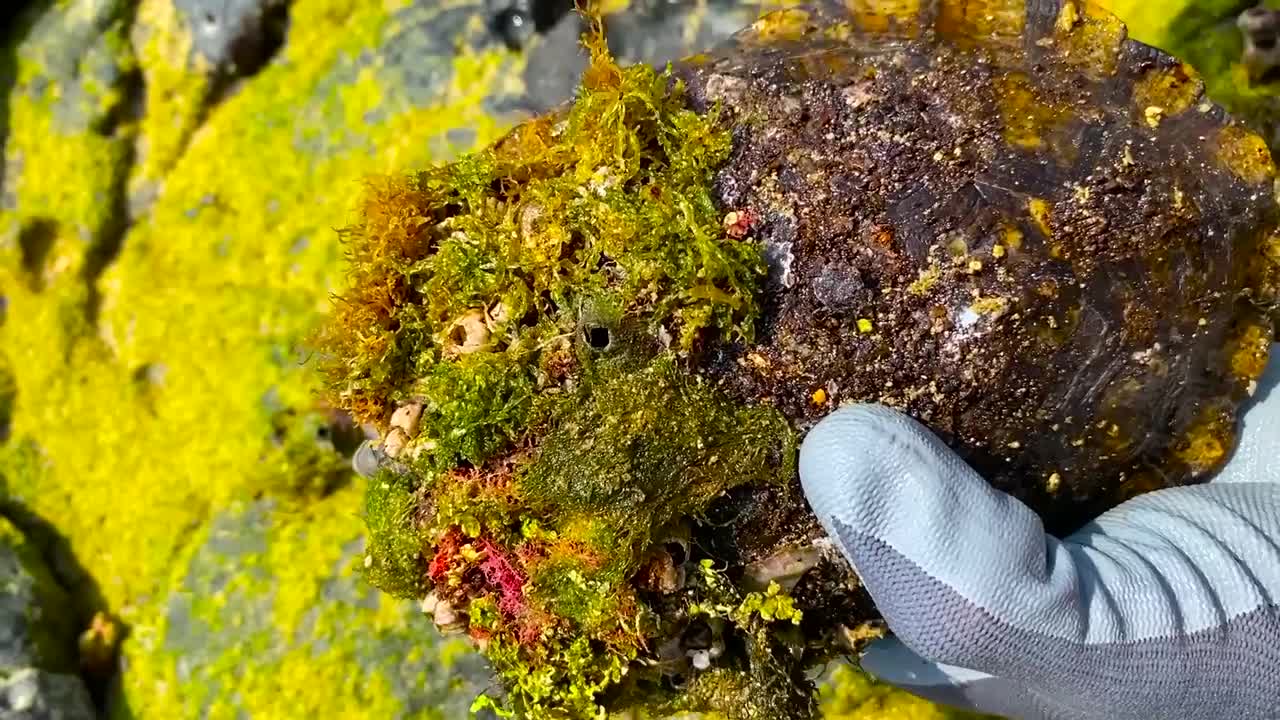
{"x": 1167, "y": 606}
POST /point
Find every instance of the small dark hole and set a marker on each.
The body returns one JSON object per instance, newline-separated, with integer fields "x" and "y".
{"x": 697, "y": 636}
{"x": 677, "y": 552}
{"x": 1265, "y": 42}
{"x": 458, "y": 335}
{"x": 35, "y": 240}
{"x": 322, "y": 433}
{"x": 597, "y": 337}
{"x": 677, "y": 681}
{"x": 773, "y": 457}
{"x": 210, "y": 19}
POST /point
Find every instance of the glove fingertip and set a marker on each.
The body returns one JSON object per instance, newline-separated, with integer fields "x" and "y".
{"x": 890, "y": 661}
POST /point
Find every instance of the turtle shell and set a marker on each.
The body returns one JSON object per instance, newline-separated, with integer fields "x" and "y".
{"x": 1007, "y": 219}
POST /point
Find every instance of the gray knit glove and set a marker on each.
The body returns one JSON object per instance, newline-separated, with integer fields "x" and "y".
{"x": 1167, "y": 606}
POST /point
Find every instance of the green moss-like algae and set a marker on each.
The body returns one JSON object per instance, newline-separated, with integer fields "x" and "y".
{"x": 492, "y": 252}
{"x": 536, "y": 300}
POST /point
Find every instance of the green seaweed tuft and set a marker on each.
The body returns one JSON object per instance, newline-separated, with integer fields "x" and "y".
{"x": 393, "y": 561}
{"x": 538, "y": 301}
{"x": 495, "y": 254}
{"x": 644, "y": 448}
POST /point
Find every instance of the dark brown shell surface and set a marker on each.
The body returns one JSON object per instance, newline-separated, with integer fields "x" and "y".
{"x": 1008, "y": 220}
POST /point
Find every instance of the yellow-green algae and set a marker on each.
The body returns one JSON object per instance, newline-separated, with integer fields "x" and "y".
{"x": 851, "y": 694}
{"x": 133, "y": 435}
{"x": 244, "y": 600}
{"x": 178, "y": 83}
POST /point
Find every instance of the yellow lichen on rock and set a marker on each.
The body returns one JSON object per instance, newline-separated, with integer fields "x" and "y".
{"x": 135, "y": 420}
{"x": 178, "y": 84}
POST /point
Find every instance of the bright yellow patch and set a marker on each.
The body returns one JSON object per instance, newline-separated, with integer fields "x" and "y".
{"x": 1026, "y": 116}
{"x": 1206, "y": 443}
{"x": 1040, "y": 210}
{"x": 1172, "y": 90}
{"x": 178, "y": 83}
{"x": 1012, "y": 237}
{"x": 1250, "y": 350}
{"x": 886, "y": 17}
{"x": 1089, "y": 37}
{"x": 1241, "y": 151}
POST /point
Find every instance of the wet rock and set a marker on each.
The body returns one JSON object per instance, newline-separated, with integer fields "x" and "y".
{"x": 37, "y": 638}
{"x": 37, "y": 622}
{"x": 650, "y": 31}
{"x": 839, "y": 288}
{"x": 31, "y": 694}
{"x": 234, "y": 35}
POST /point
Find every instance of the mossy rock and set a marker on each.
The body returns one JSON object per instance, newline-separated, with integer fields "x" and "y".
{"x": 592, "y": 347}
{"x": 166, "y": 244}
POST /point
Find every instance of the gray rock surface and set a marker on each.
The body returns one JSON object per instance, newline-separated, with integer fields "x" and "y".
{"x": 37, "y": 638}
{"x": 31, "y": 694}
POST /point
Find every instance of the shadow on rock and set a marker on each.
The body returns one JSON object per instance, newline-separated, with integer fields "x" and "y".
{"x": 94, "y": 635}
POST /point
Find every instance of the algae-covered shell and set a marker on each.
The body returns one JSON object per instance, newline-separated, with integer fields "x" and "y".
{"x": 1007, "y": 219}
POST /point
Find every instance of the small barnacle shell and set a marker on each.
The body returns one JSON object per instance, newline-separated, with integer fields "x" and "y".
{"x": 784, "y": 567}
{"x": 497, "y": 316}
{"x": 367, "y": 459}
{"x": 406, "y": 418}
{"x": 441, "y": 611}
{"x": 469, "y": 333}
{"x": 395, "y": 441}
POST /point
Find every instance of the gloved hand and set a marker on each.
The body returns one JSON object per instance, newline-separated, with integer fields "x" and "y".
{"x": 1166, "y": 607}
